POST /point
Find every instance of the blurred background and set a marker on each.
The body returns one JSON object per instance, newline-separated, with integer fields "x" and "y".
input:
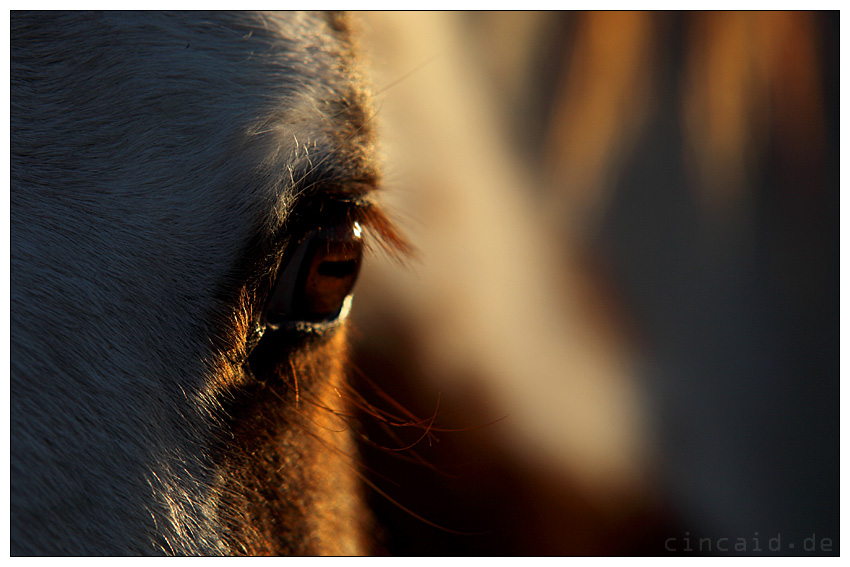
{"x": 620, "y": 333}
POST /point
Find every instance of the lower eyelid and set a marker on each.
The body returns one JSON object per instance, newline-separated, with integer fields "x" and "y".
{"x": 316, "y": 327}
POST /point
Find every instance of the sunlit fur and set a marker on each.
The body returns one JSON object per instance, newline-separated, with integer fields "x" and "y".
{"x": 150, "y": 155}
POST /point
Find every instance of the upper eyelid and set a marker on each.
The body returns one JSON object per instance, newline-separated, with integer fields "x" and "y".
{"x": 307, "y": 217}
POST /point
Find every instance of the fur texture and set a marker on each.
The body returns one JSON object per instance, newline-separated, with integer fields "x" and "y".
{"x": 160, "y": 165}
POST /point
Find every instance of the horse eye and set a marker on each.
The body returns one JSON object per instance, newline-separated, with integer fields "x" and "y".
{"x": 316, "y": 283}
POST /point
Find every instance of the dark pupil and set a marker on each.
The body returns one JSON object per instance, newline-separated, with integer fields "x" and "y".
{"x": 338, "y": 269}
{"x": 328, "y": 278}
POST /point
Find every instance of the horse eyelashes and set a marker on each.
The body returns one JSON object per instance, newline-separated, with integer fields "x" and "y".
{"x": 316, "y": 283}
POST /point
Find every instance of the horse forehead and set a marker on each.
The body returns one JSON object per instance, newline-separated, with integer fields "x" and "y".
{"x": 204, "y": 114}
{"x": 179, "y": 87}
{"x": 254, "y": 99}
